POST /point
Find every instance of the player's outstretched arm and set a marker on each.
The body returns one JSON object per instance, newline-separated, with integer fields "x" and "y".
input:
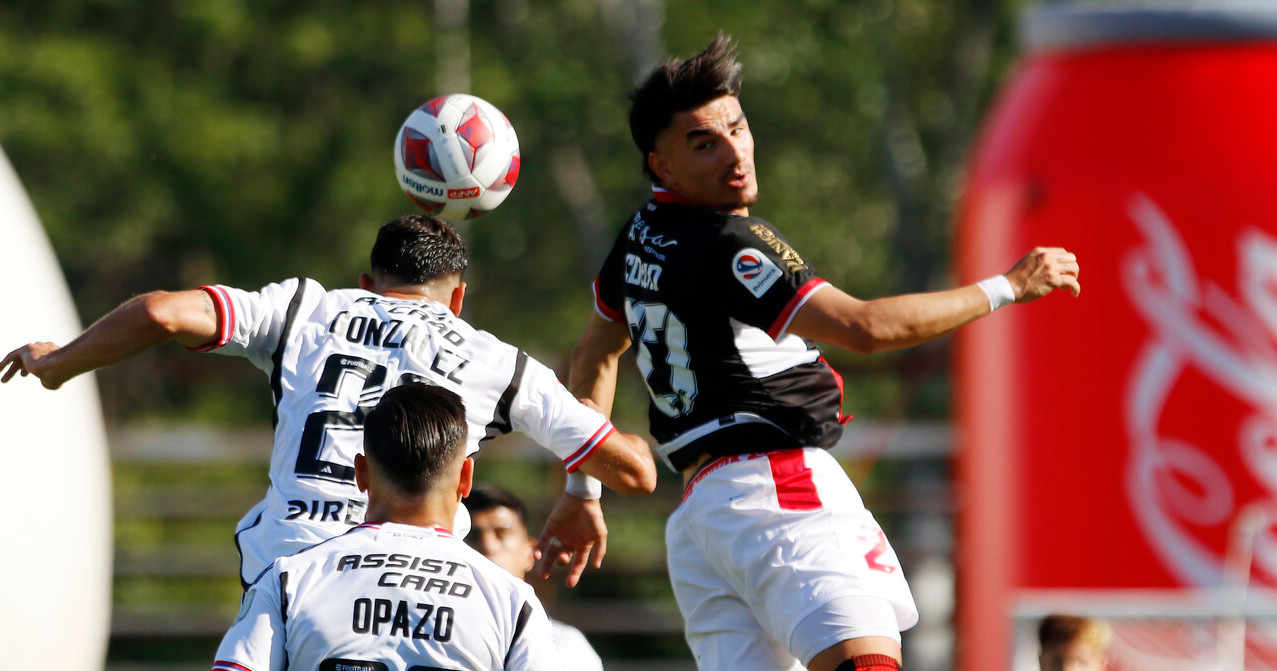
{"x": 624, "y": 461}
{"x": 595, "y": 361}
{"x": 136, "y": 325}
{"x": 834, "y": 317}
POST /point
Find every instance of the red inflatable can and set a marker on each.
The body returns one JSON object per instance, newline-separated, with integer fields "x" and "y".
{"x": 1117, "y": 441}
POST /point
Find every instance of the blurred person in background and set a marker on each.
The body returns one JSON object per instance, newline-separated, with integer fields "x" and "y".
{"x": 1072, "y": 643}
{"x": 499, "y": 531}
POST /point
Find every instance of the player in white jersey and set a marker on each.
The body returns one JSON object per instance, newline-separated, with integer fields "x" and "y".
{"x": 331, "y": 355}
{"x": 775, "y": 562}
{"x": 499, "y": 531}
{"x": 399, "y": 592}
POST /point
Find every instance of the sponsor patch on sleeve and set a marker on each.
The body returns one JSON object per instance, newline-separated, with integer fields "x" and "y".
{"x": 246, "y": 604}
{"x": 753, "y": 269}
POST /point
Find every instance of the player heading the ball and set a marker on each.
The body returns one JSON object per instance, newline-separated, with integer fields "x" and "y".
{"x": 331, "y": 354}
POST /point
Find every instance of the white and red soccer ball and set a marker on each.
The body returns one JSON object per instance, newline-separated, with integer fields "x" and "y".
{"x": 457, "y": 156}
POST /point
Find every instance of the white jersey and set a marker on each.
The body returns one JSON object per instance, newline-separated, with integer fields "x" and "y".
{"x": 331, "y": 355}
{"x": 389, "y": 597}
{"x": 574, "y": 648}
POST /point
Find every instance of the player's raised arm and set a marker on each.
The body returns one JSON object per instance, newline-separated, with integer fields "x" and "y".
{"x": 595, "y": 361}
{"x": 575, "y": 530}
{"x": 138, "y": 324}
{"x": 834, "y": 317}
{"x": 624, "y": 461}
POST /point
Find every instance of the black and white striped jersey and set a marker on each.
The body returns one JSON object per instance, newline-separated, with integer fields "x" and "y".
{"x": 331, "y": 355}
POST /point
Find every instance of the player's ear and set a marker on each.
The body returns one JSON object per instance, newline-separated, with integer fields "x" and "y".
{"x": 361, "y": 472}
{"x": 365, "y": 282}
{"x": 457, "y": 298}
{"x": 658, "y": 165}
{"x": 467, "y": 478}
{"x": 531, "y": 559}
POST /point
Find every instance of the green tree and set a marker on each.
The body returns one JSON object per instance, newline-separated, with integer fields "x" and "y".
{"x": 169, "y": 144}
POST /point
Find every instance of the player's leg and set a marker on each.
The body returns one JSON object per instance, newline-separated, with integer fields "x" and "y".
{"x": 866, "y": 602}
{"x": 871, "y": 653}
{"x": 810, "y": 560}
{"x": 864, "y": 629}
{"x": 857, "y": 662}
{"x": 721, "y": 630}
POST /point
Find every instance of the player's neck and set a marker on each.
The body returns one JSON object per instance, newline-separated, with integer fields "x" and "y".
{"x": 414, "y": 293}
{"x": 423, "y": 511}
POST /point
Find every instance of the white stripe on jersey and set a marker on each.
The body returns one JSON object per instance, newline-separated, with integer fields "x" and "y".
{"x": 765, "y": 357}
{"x": 344, "y": 349}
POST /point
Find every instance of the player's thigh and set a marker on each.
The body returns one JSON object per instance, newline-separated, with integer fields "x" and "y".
{"x": 721, "y": 629}
{"x": 803, "y": 568}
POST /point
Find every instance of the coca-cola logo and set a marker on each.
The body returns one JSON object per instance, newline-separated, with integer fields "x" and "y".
{"x": 1188, "y": 492}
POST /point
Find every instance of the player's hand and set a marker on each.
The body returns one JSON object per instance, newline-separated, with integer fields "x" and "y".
{"x": 574, "y": 528}
{"x": 1042, "y": 271}
{"x": 30, "y": 360}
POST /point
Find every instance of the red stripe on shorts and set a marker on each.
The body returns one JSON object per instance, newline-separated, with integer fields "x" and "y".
{"x": 795, "y": 489}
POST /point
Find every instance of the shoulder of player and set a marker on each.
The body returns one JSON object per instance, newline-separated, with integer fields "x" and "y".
{"x": 748, "y": 229}
{"x": 336, "y": 544}
{"x": 283, "y": 288}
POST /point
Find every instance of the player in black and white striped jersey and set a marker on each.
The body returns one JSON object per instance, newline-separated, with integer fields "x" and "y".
{"x": 331, "y": 355}
{"x": 399, "y": 591}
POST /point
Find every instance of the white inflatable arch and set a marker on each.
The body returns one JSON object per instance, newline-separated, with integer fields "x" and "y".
{"x": 55, "y": 566}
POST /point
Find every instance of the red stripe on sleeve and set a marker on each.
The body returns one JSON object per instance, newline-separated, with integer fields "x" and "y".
{"x": 574, "y": 461}
{"x": 606, "y": 312}
{"x": 804, "y": 292}
{"x": 795, "y": 489}
{"x": 225, "y": 319}
{"x": 222, "y": 665}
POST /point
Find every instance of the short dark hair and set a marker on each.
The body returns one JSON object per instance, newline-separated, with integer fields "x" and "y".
{"x": 484, "y": 497}
{"x": 414, "y": 433}
{"x": 1058, "y": 630}
{"x": 419, "y": 248}
{"x": 679, "y": 85}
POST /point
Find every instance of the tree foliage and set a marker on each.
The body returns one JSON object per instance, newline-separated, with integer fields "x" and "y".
{"x": 171, "y": 144}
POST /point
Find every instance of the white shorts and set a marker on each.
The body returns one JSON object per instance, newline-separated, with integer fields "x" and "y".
{"x": 774, "y": 558}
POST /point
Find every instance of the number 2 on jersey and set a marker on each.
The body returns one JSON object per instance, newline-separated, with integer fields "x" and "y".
{"x": 662, "y": 356}
{"x": 320, "y": 425}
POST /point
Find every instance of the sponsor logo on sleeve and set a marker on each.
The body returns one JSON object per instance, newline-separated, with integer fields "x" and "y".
{"x": 793, "y": 261}
{"x": 246, "y": 604}
{"x": 755, "y": 271}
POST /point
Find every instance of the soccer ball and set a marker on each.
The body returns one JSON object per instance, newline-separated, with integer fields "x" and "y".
{"x": 457, "y": 156}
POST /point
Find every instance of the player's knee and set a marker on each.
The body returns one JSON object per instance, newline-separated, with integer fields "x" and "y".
{"x": 870, "y": 663}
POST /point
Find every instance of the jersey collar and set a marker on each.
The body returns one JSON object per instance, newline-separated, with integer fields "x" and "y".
{"x": 663, "y": 195}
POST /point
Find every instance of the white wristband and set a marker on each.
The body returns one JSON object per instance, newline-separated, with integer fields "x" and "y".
{"x": 583, "y": 486}
{"x": 998, "y": 290}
